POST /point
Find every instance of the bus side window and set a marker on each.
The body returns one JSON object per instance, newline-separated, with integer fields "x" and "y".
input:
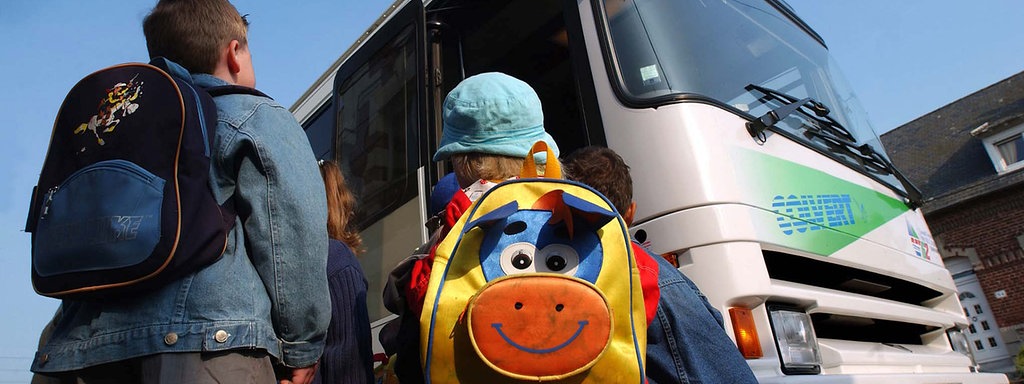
{"x": 320, "y": 131}
{"x": 376, "y": 138}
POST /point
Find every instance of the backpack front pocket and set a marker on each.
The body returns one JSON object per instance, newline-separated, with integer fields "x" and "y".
{"x": 104, "y": 216}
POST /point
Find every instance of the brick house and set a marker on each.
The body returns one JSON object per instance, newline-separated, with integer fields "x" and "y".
{"x": 968, "y": 160}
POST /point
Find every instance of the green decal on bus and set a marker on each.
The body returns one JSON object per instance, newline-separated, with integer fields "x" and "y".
{"x": 824, "y": 213}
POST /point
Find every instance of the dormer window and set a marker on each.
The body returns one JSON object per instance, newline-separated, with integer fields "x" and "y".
{"x": 1006, "y": 149}
{"x": 1010, "y": 150}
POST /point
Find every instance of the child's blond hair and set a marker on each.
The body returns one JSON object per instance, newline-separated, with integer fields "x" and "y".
{"x": 473, "y": 166}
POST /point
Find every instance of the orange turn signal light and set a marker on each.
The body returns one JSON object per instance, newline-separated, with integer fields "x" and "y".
{"x": 746, "y": 333}
{"x": 672, "y": 258}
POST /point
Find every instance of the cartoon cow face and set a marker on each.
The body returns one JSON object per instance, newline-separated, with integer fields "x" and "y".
{"x": 535, "y": 325}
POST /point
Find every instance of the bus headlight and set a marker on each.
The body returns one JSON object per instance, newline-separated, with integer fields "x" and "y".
{"x": 795, "y": 340}
{"x": 958, "y": 340}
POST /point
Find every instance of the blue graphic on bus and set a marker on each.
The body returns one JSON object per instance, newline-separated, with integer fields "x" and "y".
{"x": 802, "y": 213}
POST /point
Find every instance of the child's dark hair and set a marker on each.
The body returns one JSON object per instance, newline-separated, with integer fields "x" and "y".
{"x": 604, "y": 170}
{"x": 192, "y": 33}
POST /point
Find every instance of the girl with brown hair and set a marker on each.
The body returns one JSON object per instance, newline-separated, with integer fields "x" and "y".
{"x": 348, "y": 355}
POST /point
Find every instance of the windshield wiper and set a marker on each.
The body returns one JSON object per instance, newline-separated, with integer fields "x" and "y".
{"x": 827, "y": 129}
{"x": 867, "y": 153}
{"x": 819, "y": 113}
{"x": 914, "y": 196}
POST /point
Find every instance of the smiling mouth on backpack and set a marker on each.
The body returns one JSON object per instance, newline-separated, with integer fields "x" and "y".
{"x": 539, "y": 325}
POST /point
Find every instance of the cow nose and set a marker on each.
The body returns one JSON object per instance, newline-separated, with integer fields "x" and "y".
{"x": 519, "y": 324}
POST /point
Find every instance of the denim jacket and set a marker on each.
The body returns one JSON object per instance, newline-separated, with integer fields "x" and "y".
{"x": 269, "y": 289}
{"x": 686, "y": 342}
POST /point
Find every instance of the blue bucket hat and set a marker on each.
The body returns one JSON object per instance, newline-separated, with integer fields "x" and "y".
{"x": 493, "y": 113}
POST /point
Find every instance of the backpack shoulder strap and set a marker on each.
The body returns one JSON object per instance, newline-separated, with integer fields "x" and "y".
{"x": 222, "y": 90}
{"x": 178, "y": 71}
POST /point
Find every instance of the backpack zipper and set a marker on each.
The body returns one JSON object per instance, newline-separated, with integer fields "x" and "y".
{"x": 49, "y": 200}
{"x": 118, "y": 164}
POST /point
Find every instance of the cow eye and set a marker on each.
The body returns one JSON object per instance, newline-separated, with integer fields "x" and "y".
{"x": 518, "y": 258}
{"x": 558, "y": 258}
{"x": 521, "y": 261}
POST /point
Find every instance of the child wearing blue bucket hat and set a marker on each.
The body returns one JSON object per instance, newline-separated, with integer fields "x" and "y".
{"x": 491, "y": 122}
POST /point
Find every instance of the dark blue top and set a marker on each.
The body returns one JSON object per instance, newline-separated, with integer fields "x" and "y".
{"x": 348, "y": 355}
{"x": 442, "y": 193}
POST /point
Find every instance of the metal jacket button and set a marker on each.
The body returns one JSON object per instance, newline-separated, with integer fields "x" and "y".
{"x": 221, "y": 336}
{"x": 171, "y": 338}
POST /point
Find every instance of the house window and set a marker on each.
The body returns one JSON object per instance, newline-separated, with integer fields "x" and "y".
{"x": 977, "y": 309}
{"x": 984, "y": 325}
{"x": 1006, "y": 149}
{"x": 1011, "y": 149}
{"x": 978, "y": 346}
{"x": 992, "y": 342}
{"x": 972, "y": 329}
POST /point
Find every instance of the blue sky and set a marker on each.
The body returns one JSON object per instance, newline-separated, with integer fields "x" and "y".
{"x": 903, "y": 58}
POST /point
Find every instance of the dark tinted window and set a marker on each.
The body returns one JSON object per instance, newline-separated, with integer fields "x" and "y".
{"x": 376, "y": 109}
{"x": 320, "y": 131}
{"x": 524, "y": 39}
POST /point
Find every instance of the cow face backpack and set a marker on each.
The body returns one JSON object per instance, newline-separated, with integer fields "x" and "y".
{"x": 537, "y": 282}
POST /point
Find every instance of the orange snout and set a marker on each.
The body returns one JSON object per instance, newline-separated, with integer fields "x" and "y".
{"x": 539, "y": 325}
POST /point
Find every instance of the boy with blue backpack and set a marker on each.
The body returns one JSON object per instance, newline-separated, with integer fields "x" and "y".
{"x": 261, "y": 305}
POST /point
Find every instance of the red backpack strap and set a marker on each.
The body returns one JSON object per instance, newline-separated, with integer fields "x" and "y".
{"x": 648, "y": 280}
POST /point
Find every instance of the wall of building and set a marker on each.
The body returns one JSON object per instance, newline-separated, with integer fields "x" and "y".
{"x": 991, "y": 226}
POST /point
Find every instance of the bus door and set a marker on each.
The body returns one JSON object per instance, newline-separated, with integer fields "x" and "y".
{"x": 538, "y": 41}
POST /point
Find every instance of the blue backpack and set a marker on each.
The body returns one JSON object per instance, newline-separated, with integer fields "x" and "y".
{"x": 123, "y": 203}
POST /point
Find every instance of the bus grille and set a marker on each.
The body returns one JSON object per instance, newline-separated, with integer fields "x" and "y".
{"x": 811, "y": 271}
{"x": 815, "y": 272}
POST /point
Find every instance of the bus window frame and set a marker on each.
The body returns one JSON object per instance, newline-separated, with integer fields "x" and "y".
{"x": 586, "y": 88}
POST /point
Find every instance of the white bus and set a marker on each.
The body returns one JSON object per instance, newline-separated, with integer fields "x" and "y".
{"x": 753, "y": 166}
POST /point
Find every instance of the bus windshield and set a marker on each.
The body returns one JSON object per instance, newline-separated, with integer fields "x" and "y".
{"x": 731, "y": 51}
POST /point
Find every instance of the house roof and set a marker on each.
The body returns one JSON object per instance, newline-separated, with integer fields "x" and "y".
{"x": 940, "y": 156}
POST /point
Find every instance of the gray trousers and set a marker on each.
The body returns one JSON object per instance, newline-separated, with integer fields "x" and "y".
{"x": 228, "y": 367}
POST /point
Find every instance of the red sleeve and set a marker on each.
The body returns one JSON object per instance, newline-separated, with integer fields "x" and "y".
{"x": 417, "y": 290}
{"x": 460, "y": 202}
{"x": 648, "y": 280}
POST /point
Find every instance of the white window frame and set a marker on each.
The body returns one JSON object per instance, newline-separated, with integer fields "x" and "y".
{"x": 993, "y": 150}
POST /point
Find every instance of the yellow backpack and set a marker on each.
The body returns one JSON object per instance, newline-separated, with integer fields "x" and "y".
{"x": 536, "y": 282}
